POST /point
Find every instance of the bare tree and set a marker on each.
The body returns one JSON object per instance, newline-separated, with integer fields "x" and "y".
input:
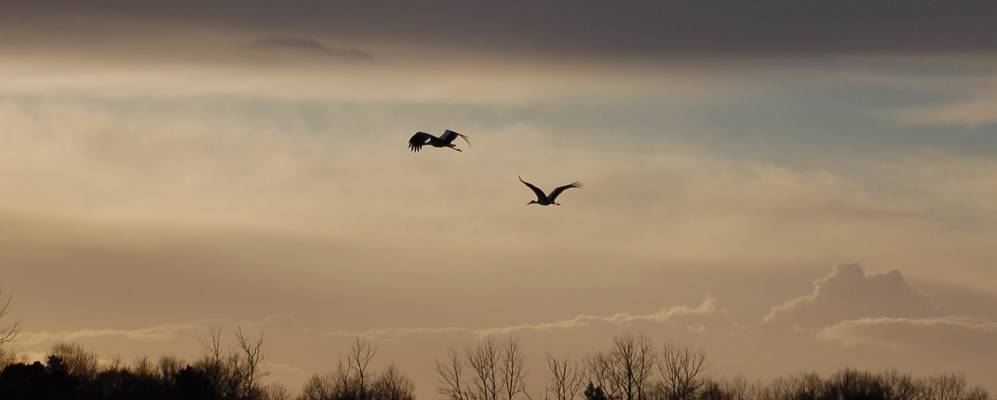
{"x": 143, "y": 367}
{"x": 345, "y": 385}
{"x": 484, "y": 360}
{"x": 712, "y": 390}
{"x": 494, "y": 370}
{"x": 169, "y": 367}
{"x": 249, "y": 365}
{"x": 212, "y": 344}
{"x": 900, "y": 386}
{"x": 977, "y": 393}
{"x": 274, "y": 391}
{"x": 946, "y": 387}
{"x": 635, "y": 354}
{"x": 6, "y": 358}
{"x": 356, "y": 379}
{"x": 392, "y": 385}
{"x": 679, "y": 369}
{"x": 10, "y": 331}
{"x": 80, "y": 363}
{"x": 213, "y": 364}
{"x": 452, "y": 384}
{"x": 566, "y": 380}
{"x": 359, "y": 363}
{"x": 737, "y": 388}
{"x": 513, "y": 369}
{"x": 237, "y": 372}
{"x": 318, "y": 388}
{"x": 601, "y": 372}
{"x": 624, "y": 372}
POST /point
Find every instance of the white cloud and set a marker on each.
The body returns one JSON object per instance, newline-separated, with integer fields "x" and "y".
{"x": 682, "y": 314}
{"x": 850, "y": 293}
{"x": 159, "y": 332}
{"x": 973, "y": 335}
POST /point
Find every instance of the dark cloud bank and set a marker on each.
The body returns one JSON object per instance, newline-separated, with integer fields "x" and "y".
{"x": 581, "y": 28}
{"x": 306, "y": 46}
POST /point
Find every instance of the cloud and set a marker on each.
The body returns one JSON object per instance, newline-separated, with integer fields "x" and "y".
{"x": 681, "y": 314}
{"x": 978, "y": 111}
{"x": 850, "y": 293}
{"x": 592, "y": 28}
{"x": 971, "y": 335}
{"x": 154, "y": 333}
{"x": 924, "y": 345}
{"x": 302, "y": 45}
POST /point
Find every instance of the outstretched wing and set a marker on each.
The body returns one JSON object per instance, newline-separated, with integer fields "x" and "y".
{"x": 557, "y": 191}
{"x": 540, "y": 193}
{"x": 449, "y": 136}
{"x": 416, "y": 142}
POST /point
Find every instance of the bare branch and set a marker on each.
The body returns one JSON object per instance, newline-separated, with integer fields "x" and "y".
{"x": 392, "y": 385}
{"x": 567, "y": 379}
{"x": 623, "y": 373}
{"x": 9, "y": 332}
{"x": 212, "y": 343}
{"x": 680, "y": 369}
{"x": 513, "y": 369}
{"x": 451, "y": 384}
{"x": 251, "y": 363}
{"x": 359, "y": 361}
{"x": 484, "y": 361}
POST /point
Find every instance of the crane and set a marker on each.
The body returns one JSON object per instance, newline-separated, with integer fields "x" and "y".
{"x": 545, "y": 199}
{"x": 445, "y": 140}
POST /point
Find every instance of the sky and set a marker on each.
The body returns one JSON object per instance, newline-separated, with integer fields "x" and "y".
{"x": 790, "y": 185}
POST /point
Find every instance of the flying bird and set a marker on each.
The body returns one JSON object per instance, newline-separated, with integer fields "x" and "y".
{"x": 445, "y": 140}
{"x": 546, "y": 200}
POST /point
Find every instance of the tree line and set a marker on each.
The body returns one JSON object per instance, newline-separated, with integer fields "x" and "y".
{"x": 71, "y": 372}
{"x": 631, "y": 368}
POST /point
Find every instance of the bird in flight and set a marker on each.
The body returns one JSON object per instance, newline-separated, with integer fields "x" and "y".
{"x": 445, "y": 140}
{"x": 544, "y": 199}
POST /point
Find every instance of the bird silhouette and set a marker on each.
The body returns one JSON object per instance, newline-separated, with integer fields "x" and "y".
{"x": 546, "y": 200}
{"x": 445, "y": 140}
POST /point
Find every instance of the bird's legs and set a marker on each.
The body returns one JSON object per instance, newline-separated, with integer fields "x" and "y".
{"x": 454, "y": 147}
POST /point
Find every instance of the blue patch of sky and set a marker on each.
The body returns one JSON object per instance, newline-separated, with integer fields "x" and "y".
{"x": 783, "y": 122}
